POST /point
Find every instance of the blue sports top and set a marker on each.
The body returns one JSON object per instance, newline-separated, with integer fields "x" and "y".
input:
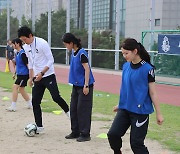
{"x": 77, "y": 71}
{"x": 134, "y": 93}
{"x": 21, "y": 68}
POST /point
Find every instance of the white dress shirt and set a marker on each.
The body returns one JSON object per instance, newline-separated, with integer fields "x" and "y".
{"x": 39, "y": 55}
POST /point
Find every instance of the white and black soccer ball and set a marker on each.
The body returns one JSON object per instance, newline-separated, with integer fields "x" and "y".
{"x": 30, "y": 130}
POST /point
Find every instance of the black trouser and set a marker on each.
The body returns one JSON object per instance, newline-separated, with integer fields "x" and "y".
{"x": 37, "y": 95}
{"x": 139, "y": 125}
{"x": 81, "y": 110}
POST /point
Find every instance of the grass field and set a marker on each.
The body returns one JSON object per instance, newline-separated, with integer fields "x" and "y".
{"x": 168, "y": 134}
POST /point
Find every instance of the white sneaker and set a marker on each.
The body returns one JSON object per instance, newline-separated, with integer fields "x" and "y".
{"x": 29, "y": 106}
{"x": 68, "y": 114}
{"x": 11, "y": 108}
{"x": 39, "y": 130}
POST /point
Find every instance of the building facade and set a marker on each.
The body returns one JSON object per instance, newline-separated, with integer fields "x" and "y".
{"x": 103, "y": 14}
{"x": 3, "y": 5}
{"x": 41, "y": 6}
{"x": 166, "y": 16}
{"x": 135, "y": 16}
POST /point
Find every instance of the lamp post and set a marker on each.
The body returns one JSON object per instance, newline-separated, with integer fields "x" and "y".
{"x": 49, "y": 22}
{"x": 90, "y": 32}
{"x": 117, "y": 34}
{"x": 152, "y": 23}
{"x": 8, "y": 21}
{"x": 67, "y": 27}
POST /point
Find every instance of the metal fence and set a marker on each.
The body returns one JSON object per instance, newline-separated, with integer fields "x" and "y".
{"x": 166, "y": 65}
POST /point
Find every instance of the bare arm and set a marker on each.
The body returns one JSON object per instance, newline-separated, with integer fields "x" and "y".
{"x": 31, "y": 74}
{"x": 154, "y": 98}
{"x": 14, "y": 74}
{"x": 86, "y": 83}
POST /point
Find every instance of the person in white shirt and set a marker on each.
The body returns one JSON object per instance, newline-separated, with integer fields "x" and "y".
{"x": 41, "y": 73}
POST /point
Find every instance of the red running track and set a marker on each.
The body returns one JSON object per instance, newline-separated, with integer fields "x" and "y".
{"x": 108, "y": 82}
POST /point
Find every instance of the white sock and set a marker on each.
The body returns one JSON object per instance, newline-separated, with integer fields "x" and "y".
{"x": 68, "y": 114}
{"x": 13, "y": 104}
{"x": 29, "y": 103}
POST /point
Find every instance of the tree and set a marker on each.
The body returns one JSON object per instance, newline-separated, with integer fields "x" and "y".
{"x": 28, "y": 23}
{"x": 3, "y": 27}
{"x": 3, "y": 23}
{"x": 58, "y": 27}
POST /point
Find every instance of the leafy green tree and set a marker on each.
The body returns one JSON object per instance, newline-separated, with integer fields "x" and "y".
{"x": 3, "y": 30}
{"x": 13, "y": 28}
{"x": 167, "y": 65}
{"x": 41, "y": 26}
{"x": 58, "y": 27}
{"x": 82, "y": 34}
{"x": 28, "y": 23}
{"x": 3, "y": 27}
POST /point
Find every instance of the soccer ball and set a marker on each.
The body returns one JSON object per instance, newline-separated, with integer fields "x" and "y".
{"x": 30, "y": 130}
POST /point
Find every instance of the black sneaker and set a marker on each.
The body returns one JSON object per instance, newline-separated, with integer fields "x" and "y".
{"x": 83, "y": 138}
{"x": 72, "y": 136}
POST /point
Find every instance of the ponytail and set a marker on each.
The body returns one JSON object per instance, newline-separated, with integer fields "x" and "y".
{"x": 143, "y": 53}
{"x": 77, "y": 42}
{"x": 131, "y": 44}
{"x": 68, "y": 38}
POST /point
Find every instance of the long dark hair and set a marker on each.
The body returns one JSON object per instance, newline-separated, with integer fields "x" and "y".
{"x": 69, "y": 37}
{"x": 131, "y": 44}
{"x": 18, "y": 41}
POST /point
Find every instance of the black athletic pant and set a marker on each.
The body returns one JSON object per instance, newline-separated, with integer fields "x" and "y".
{"x": 139, "y": 125}
{"x": 81, "y": 110}
{"x": 50, "y": 83}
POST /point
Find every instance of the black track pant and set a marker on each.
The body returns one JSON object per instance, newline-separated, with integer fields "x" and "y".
{"x": 81, "y": 110}
{"x": 139, "y": 125}
{"x": 37, "y": 95}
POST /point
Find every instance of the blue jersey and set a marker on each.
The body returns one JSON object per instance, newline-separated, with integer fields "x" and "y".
{"x": 77, "y": 71}
{"x": 21, "y": 68}
{"x": 134, "y": 93}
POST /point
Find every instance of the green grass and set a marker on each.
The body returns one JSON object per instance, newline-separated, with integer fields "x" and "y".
{"x": 168, "y": 134}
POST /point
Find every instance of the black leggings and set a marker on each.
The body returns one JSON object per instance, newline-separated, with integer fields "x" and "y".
{"x": 37, "y": 95}
{"x": 139, "y": 125}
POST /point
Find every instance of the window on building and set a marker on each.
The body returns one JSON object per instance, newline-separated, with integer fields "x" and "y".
{"x": 157, "y": 22}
